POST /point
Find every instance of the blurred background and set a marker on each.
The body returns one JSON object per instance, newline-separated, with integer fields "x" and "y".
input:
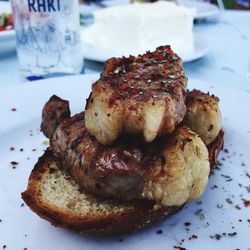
{"x": 229, "y": 4}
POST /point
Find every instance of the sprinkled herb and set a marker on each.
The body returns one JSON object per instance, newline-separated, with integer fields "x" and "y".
{"x": 217, "y": 236}
{"x": 219, "y": 163}
{"x": 4, "y": 246}
{"x": 14, "y": 109}
{"x": 232, "y": 234}
{"x": 179, "y": 248}
{"x": 226, "y": 176}
{"x": 210, "y": 127}
{"x": 238, "y": 207}
{"x": 217, "y": 167}
{"x": 202, "y": 216}
{"x": 194, "y": 236}
{"x": 21, "y": 149}
{"x": 46, "y": 142}
{"x": 159, "y": 232}
{"x": 200, "y": 213}
{"x": 14, "y": 163}
{"x": 12, "y": 148}
{"x": 219, "y": 205}
{"x": 229, "y": 201}
{"x": 187, "y": 224}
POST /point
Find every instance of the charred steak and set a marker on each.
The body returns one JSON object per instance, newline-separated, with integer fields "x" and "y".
{"x": 170, "y": 170}
{"x": 138, "y": 95}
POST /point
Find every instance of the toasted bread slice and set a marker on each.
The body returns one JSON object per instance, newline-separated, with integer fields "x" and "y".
{"x": 56, "y": 197}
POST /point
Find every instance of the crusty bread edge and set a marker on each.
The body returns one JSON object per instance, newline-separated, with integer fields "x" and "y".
{"x": 129, "y": 220}
{"x": 141, "y": 214}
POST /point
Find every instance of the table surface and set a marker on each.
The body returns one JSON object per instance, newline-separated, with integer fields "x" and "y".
{"x": 226, "y": 63}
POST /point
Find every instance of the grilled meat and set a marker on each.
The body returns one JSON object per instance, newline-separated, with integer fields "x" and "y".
{"x": 107, "y": 171}
{"x": 137, "y": 95}
{"x": 54, "y": 112}
{"x": 170, "y": 170}
{"x": 203, "y": 115}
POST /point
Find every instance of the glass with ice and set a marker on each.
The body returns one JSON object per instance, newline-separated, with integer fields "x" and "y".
{"x": 48, "y": 37}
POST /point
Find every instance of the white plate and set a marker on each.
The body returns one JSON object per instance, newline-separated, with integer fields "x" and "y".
{"x": 21, "y": 228}
{"x": 204, "y": 9}
{"x": 7, "y": 38}
{"x": 91, "y": 52}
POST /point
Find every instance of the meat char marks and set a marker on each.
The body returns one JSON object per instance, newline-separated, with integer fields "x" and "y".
{"x": 138, "y": 95}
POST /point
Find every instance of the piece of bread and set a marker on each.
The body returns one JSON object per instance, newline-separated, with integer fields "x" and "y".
{"x": 56, "y": 197}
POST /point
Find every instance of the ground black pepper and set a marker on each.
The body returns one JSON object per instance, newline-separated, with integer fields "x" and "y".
{"x": 14, "y": 163}
{"x": 179, "y": 248}
{"x": 232, "y": 234}
{"x": 229, "y": 201}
